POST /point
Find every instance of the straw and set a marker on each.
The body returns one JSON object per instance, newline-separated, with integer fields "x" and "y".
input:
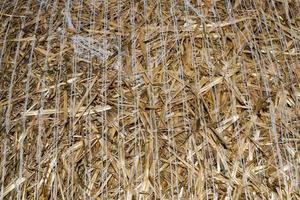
{"x": 149, "y": 99}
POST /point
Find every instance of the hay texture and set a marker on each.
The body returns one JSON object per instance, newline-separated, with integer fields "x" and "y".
{"x": 152, "y": 99}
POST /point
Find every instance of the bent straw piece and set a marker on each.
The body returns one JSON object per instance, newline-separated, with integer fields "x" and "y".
{"x": 13, "y": 186}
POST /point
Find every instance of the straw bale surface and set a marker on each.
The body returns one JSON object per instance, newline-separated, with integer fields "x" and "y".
{"x": 149, "y": 99}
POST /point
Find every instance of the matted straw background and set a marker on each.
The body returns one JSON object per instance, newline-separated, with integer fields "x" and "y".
{"x": 149, "y": 99}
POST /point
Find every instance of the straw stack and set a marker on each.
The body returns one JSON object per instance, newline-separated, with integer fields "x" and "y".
{"x": 149, "y": 99}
